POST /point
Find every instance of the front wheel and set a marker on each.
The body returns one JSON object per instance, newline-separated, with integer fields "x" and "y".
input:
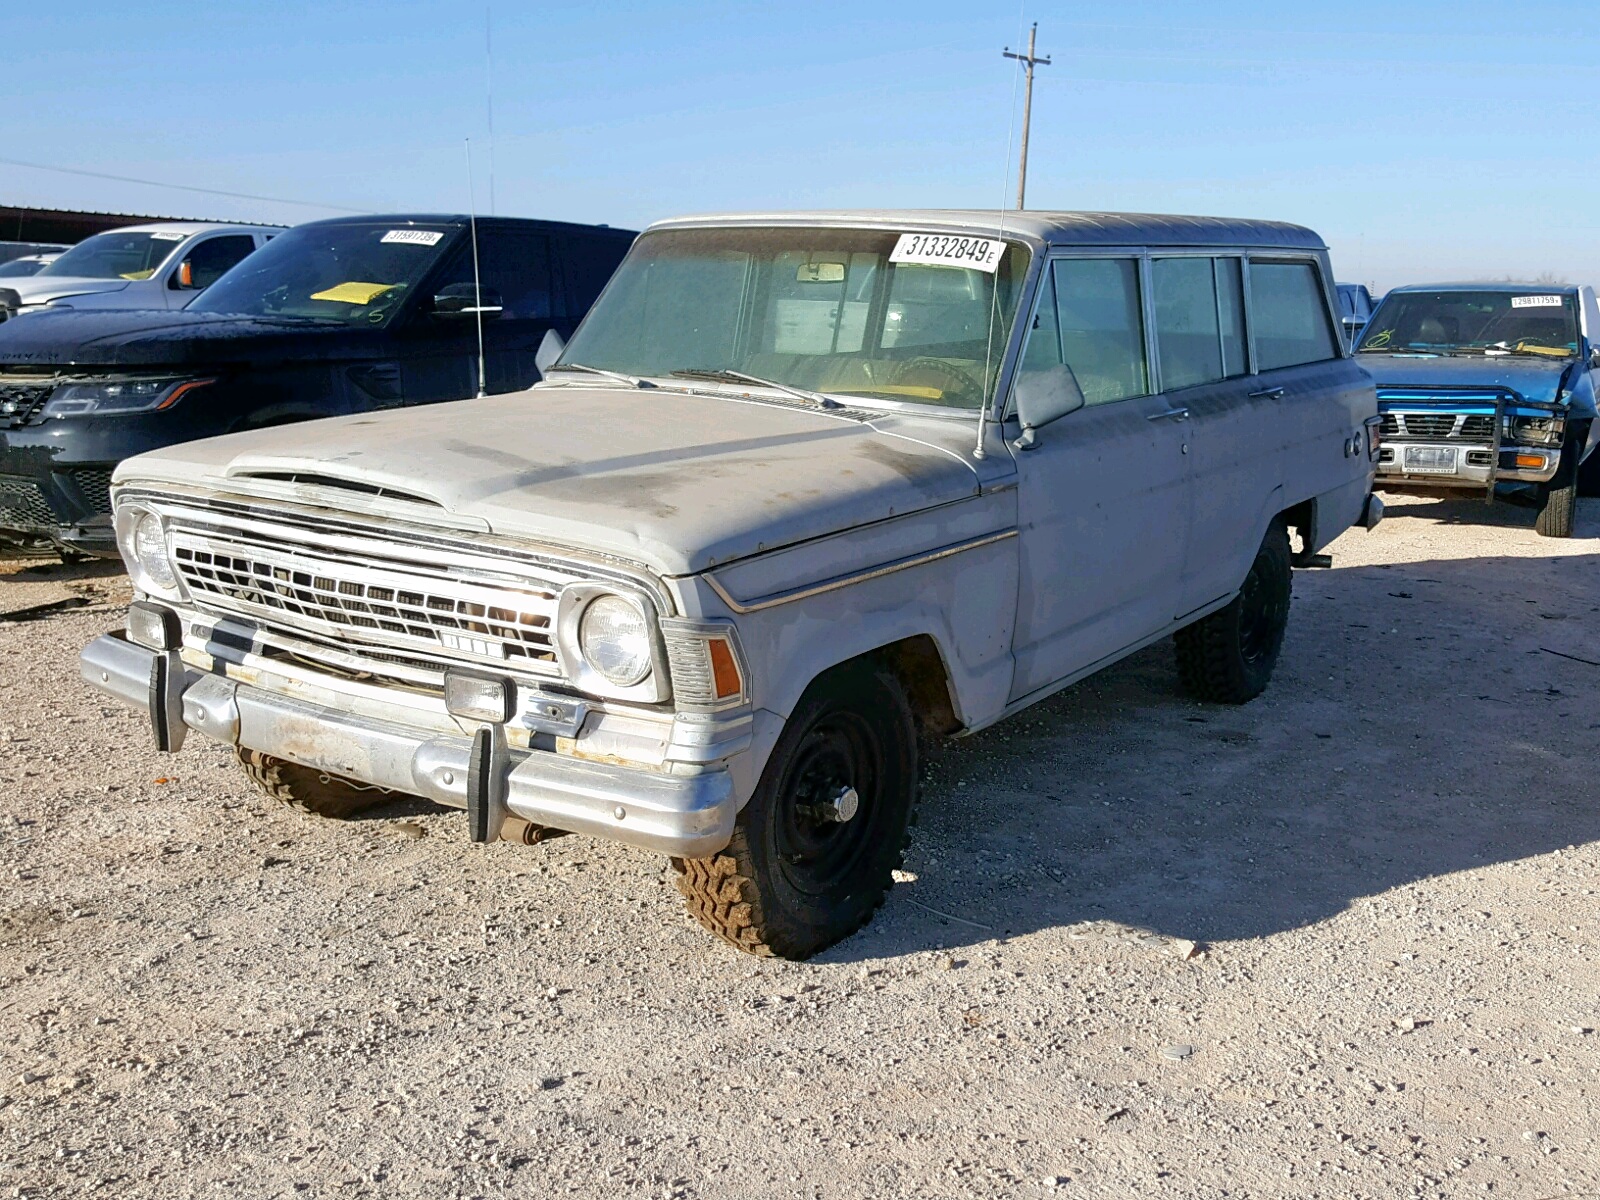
{"x": 814, "y": 851}
{"x": 308, "y": 789}
{"x": 1227, "y": 658}
{"x": 1558, "y": 499}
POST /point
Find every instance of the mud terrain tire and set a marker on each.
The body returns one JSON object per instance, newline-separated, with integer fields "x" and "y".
{"x": 307, "y": 788}
{"x": 1227, "y": 658}
{"x": 808, "y": 864}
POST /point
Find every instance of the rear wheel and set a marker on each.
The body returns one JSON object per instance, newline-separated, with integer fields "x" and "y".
{"x": 307, "y": 788}
{"x": 814, "y": 851}
{"x": 1227, "y": 658}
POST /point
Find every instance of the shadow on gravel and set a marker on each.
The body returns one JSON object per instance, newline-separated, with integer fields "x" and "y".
{"x": 1515, "y": 511}
{"x": 1418, "y": 725}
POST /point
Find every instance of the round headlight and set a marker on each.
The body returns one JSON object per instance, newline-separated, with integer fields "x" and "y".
{"x": 150, "y": 550}
{"x": 615, "y": 640}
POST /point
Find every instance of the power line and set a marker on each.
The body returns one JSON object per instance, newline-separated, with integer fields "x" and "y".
{"x": 181, "y": 187}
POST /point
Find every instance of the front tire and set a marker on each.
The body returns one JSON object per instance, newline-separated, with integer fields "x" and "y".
{"x": 1227, "y": 658}
{"x": 307, "y": 788}
{"x": 1558, "y": 499}
{"x": 814, "y": 851}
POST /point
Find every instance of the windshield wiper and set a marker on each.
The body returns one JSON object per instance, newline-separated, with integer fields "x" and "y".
{"x": 586, "y": 369}
{"x": 727, "y": 375}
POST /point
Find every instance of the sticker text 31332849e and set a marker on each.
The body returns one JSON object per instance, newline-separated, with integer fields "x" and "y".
{"x": 948, "y": 250}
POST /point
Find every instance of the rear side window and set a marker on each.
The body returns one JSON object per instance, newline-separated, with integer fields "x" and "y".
{"x": 1101, "y": 326}
{"x": 1199, "y": 305}
{"x": 211, "y": 258}
{"x": 1291, "y": 320}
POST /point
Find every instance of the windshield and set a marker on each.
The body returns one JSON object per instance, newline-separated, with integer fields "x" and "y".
{"x": 355, "y": 273}
{"x": 1544, "y": 324}
{"x": 116, "y": 255}
{"x": 824, "y": 310}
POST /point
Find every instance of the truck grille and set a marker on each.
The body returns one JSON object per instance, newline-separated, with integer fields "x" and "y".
{"x": 376, "y": 594}
{"x": 382, "y": 604}
{"x": 1438, "y": 425}
{"x": 21, "y": 403}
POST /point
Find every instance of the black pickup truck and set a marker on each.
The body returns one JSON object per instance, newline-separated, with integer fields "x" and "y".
{"x": 330, "y": 318}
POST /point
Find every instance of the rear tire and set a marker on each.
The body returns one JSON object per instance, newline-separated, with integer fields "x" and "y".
{"x": 1558, "y": 499}
{"x": 307, "y": 788}
{"x": 814, "y": 851}
{"x": 1227, "y": 658}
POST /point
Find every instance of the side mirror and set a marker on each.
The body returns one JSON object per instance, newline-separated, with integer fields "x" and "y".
{"x": 183, "y": 278}
{"x": 458, "y": 300}
{"x": 1594, "y": 358}
{"x": 1042, "y": 397}
{"x": 549, "y": 350}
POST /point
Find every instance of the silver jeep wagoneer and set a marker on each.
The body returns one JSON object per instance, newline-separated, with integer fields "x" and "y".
{"x": 801, "y": 488}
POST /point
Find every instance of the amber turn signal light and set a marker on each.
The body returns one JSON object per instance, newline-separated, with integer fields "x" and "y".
{"x": 1534, "y": 462}
{"x": 724, "y": 670}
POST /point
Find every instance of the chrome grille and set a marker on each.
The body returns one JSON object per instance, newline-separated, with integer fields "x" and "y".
{"x": 389, "y": 603}
{"x": 1438, "y": 425}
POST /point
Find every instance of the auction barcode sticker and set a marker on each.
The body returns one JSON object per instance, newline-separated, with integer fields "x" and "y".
{"x": 948, "y": 250}
{"x": 413, "y": 237}
{"x": 1536, "y": 302}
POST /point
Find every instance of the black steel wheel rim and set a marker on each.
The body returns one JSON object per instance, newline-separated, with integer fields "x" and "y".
{"x": 819, "y": 855}
{"x": 1263, "y": 606}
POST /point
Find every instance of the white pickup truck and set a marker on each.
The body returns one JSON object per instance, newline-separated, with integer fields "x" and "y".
{"x": 801, "y": 488}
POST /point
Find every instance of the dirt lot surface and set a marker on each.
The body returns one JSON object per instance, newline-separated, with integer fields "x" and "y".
{"x": 1341, "y": 942}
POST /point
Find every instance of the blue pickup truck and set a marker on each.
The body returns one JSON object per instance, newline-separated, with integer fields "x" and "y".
{"x": 1488, "y": 387}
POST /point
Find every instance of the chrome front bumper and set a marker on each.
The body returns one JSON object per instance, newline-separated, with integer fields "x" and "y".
{"x": 685, "y": 815}
{"x": 1391, "y": 467}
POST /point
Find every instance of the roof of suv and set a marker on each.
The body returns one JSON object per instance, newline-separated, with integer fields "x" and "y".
{"x": 1070, "y": 228}
{"x": 1549, "y": 289}
{"x": 461, "y": 219}
{"x": 188, "y": 227}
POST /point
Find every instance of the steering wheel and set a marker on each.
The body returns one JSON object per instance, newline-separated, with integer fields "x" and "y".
{"x": 958, "y": 386}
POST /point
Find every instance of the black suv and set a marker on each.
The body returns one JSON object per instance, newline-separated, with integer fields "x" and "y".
{"x": 333, "y": 317}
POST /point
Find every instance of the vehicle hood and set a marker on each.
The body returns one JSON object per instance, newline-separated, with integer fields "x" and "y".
{"x": 675, "y": 482}
{"x": 157, "y": 338}
{"x": 33, "y": 290}
{"x": 1536, "y": 380}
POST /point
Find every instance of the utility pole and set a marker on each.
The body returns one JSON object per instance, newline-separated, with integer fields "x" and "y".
{"x": 1029, "y": 60}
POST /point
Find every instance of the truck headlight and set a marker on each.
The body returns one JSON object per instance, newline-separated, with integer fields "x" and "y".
{"x": 142, "y": 537}
{"x": 614, "y": 637}
{"x": 608, "y": 642}
{"x": 119, "y": 396}
{"x": 1537, "y": 431}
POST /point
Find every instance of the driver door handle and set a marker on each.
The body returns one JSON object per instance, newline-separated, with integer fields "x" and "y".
{"x": 1271, "y": 393}
{"x": 1172, "y": 414}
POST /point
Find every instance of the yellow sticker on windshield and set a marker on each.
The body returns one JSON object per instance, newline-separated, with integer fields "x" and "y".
{"x": 353, "y": 293}
{"x": 139, "y": 274}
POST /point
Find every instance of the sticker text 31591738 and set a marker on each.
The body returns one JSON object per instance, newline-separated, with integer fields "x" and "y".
{"x": 948, "y": 250}
{"x": 413, "y": 237}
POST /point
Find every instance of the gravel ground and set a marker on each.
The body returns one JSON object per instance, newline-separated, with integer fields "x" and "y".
{"x": 1340, "y": 942}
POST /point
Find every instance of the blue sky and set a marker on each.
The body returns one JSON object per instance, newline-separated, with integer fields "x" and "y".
{"x": 1423, "y": 141}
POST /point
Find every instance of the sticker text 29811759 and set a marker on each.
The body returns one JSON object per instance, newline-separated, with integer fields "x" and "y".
{"x": 948, "y": 250}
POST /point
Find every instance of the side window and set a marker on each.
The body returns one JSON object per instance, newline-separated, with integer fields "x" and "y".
{"x": 1291, "y": 320}
{"x": 1230, "y": 304}
{"x": 1044, "y": 340}
{"x": 1199, "y": 306}
{"x": 514, "y": 264}
{"x": 208, "y": 260}
{"x": 590, "y": 262}
{"x": 1101, "y": 318}
{"x": 1188, "y": 333}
